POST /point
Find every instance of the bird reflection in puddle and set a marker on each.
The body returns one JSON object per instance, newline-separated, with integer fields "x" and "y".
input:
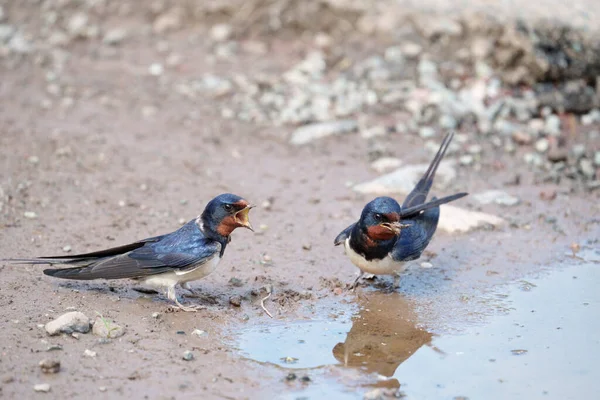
{"x": 383, "y": 335}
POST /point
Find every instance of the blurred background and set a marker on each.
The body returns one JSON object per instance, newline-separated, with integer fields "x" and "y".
{"x": 120, "y": 119}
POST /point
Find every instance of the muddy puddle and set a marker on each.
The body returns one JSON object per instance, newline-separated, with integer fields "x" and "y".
{"x": 542, "y": 346}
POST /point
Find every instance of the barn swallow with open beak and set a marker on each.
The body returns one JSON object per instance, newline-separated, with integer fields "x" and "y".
{"x": 387, "y": 236}
{"x": 187, "y": 254}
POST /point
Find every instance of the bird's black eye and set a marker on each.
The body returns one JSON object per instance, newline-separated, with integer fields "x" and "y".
{"x": 228, "y": 207}
{"x": 378, "y": 217}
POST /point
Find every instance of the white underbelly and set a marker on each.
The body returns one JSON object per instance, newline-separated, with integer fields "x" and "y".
{"x": 385, "y": 266}
{"x": 173, "y": 278}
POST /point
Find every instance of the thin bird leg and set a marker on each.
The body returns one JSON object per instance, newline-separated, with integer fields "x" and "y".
{"x": 396, "y": 281}
{"x": 355, "y": 283}
{"x": 193, "y": 293}
{"x": 173, "y": 297}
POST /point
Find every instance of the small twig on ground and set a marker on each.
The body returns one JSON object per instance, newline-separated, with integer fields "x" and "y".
{"x": 262, "y": 304}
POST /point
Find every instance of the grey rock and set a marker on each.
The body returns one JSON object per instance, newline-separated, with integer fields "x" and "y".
{"x": 156, "y": 69}
{"x": 394, "y": 54}
{"x": 542, "y": 145}
{"x": 312, "y": 132}
{"x": 6, "y": 32}
{"x": 475, "y": 149}
{"x": 70, "y": 322}
{"x": 78, "y": 24}
{"x": 221, "y": 32}
{"x": 506, "y": 128}
{"x": 426, "y": 132}
{"x": 42, "y": 387}
{"x": 427, "y": 70}
{"x": 578, "y": 151}
{"x": 447, "y": 122}
{"x": 592, "y": 117}
{"x": 552, "y": 125}
{"x": 114, "y": 36}
{"x": 19, "y": 44}
{"x": 216, "y": 85}
{"x": 49, "y": 366}
{"x": 587, "y": 167}
{"x": 466, "y": 159}
{"x": 533, "y": 159}
{"x": 557, "y": 154}
{"x": 188, "y": 355}
{"x": 90, "y": 353}
{"x": 536, "y": 126}
{"x": 106, "y": 328}
{"x": 404, "y": 179}
{"x": 496, "y": 196}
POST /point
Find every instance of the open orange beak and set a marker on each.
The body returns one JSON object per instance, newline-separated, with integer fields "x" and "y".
{"x": 241, "y": 217}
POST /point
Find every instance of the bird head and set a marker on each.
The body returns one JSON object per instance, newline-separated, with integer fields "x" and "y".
{"x": 380, "y": 219}
{"x": 225, "y": 213}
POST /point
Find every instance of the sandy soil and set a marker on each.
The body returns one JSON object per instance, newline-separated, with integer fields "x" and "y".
{"x": 106, "y": 174}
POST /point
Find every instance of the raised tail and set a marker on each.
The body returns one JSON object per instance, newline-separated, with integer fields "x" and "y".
{"x": 411, "y": 211}
{"x": 419, "y": 194}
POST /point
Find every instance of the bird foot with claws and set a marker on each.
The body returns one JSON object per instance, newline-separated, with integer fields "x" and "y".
{"x": 191, "y": 308}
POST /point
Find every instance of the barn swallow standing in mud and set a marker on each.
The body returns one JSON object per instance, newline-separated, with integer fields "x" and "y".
{"x": 387, "y": 236}
{"x": 188, "y": 254}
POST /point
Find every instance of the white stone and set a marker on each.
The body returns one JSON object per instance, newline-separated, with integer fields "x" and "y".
{"x": 458, "y": 220}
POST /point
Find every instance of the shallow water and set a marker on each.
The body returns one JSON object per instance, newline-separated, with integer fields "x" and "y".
{"x": 546, "y": 345}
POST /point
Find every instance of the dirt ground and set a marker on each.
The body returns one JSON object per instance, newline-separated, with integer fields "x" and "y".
{"x": 101, "y": 172}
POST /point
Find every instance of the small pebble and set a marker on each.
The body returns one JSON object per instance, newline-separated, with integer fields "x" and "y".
{"x": 466, "y": 159}
{"x": 188, "y": 355}
{"x": 587, "y": 168}
{"x": 306, "y": 246}
{"x": 49, "y": 366}
{"x": 542, "y": 145}
{"x": 597, "y": 158}
{"x": 33, "y": 159}
{"x": 30, "y": 214}
{"x": 426, "y": 265}
{"x": 235, "y": 301}
{"x": 89, "y": 353}
{"x": 42, "y": 387}
{"x": 156, "y": 315}
{"x": 521, "y": 138}
{"x": 426, "y": 132}
{"x": 156, "y": 69}
{"x": 66, "y": 248}
{"x": 221, "y": 32}
{"x": 475, "y": 149}
{"x": 199, "y": 333}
